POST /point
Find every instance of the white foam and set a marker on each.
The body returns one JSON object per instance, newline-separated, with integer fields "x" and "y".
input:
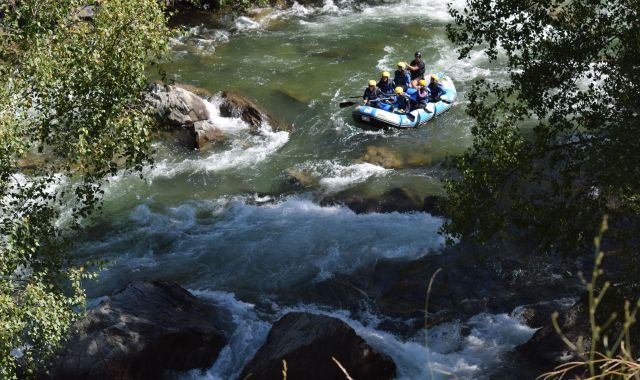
{"x": 387, "y": 61}
{"x": 449, "y": 352}
{"x": 343, "y": 177}
{"x": 268, "y": 246}
{"x": 245, "y": 149}
{"x": 249, "y": 333}
{"x": 334, "y": 177}
{"x": 200, "y": 38}
{"x": 243, "y": 153}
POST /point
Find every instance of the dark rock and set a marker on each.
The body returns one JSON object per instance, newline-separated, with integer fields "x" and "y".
{"x": 308, "y": 342}
{"x": 491, "y": 278}
{"x": 175, "y": 106}
{"x": 394, "y": 200}
{"x": 139, "y": 333}
{"x": 547, "y": 349}
{"x": 433, "y": 204}
{"x": 400, "y": 200}
{"x": 539, "y": 314}
{"x": 236, "y": 105}
{"x": 300, "y": 179}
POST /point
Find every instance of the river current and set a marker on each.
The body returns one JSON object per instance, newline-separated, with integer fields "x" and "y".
{"x": 226, "y": 223}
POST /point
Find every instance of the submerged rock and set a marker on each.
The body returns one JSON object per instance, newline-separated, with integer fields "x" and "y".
{"x": 175, "y": 106}
{"x": 434, "y": 205}
{"x": 397, "y": 199}
{"x": 140, "y": 332}
{"x": 236, "y": 105}
{"x": 308, "y": 342}
{"x": 301, "y": 179}
{"x": 382, "y": 156}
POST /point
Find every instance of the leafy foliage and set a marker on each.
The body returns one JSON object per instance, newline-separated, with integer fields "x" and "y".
{"x": 575, "y": 74}
{"x": 70, "y": 115}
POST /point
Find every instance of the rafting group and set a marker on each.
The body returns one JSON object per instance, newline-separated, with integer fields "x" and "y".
{"x": 408, "y": 100}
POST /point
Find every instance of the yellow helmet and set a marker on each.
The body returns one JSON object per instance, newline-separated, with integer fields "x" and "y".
{"x": 398, "y": 90}
{"x": 435, "y": 77}
{"x": 402, "y": 65}
{"x": 422, "y": 82}
{"x": 372, "y": 82}
{"x": 386, "y": 74}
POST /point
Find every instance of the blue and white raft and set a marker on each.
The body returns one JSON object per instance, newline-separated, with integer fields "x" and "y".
{"x": 383, "y": 118}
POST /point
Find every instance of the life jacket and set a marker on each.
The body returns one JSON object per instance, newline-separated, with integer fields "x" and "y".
{"x": 386, "y": 88}
{"x": 422, "y": 95}
{"x": 402, "y": 102}
{"x": 420, "y": 72}
{"x": 435, "y": 90}
{"x": 402, "y": 78}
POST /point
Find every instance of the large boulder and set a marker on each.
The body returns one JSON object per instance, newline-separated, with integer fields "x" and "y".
{"x": 175, "y": 106}
{"x": 493, "y": 278}
{"x": 308, "y": 342}
{"x": 139, "y": 333}
{"x": 547, "y": 349}
{"x": 236, "y": 105}
{"x": 397, "y": 199}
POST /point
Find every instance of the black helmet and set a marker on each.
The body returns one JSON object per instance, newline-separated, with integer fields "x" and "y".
{"x": 417, "y": 54}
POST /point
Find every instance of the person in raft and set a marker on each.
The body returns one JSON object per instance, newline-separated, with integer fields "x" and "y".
{"x": 435, "y": 88}
{"x": 401, "y": 76}
{"x": 371, "y": 94}
{"x": 416, "y": 67}
{"x": 422, "y": 94}
{"x": 402, "y": 102}
{"x": 385, "y": 84}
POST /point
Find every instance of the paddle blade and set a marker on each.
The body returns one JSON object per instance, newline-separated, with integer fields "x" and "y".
{"x": 411, "y": 117}
{"x": 346, "y": 104}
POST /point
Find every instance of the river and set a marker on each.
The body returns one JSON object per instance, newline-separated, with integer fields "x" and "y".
{"x": 226, "y": 224}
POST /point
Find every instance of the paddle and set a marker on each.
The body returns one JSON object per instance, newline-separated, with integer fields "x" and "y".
{"x": 350, "y": 103}
{"x": 347, "y": 104}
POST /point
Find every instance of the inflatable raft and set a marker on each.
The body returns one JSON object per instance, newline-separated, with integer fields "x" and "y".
{"x": 383, "y": 118}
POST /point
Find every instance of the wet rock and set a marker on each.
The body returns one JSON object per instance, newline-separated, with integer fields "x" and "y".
{"x": 394, "y": 200}
{"x": 201, "y": 92}
{"x": 382, "y": 156}
{"x": 236, "y": 105}
{"x": 547, "y": 349}
{"x": 204, "y": 133}
{"x": 308, "y": 342}
{"x": 175, "y": 106}
{"x": 140, "y": 332}
{"x": 492, "y": 278}
{"x": 539, "y": 314}
{"x": 300, "y": 179}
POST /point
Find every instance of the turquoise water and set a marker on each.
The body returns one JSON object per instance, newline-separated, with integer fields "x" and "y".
{"x": 227, "y": 224}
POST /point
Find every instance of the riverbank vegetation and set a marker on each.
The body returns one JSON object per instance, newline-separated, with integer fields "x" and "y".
{"x": 574, "y": 73}
{"x": 555, "y": 152}
{"x": 70, "y": 85}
